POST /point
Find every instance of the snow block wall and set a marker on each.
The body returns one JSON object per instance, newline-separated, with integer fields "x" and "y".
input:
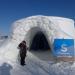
{"x": 25, "y": 29}
{"x": 53, "y": 27}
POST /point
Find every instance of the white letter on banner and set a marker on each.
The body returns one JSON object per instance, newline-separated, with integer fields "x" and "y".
{"x": 64, "y": 48}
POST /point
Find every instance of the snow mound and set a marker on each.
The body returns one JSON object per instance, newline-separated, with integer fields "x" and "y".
{"x": 56, "y": 27}
{"x": 25, "y": 29}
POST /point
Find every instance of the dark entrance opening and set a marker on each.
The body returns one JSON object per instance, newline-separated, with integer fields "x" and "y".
{"x": 39, "y": 42}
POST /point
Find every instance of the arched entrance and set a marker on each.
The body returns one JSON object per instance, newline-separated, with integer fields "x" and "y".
{"x": 39, "y": 42}
{"x": 40, "y": 46}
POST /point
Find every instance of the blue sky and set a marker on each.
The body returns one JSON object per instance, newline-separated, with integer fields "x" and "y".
{"x": 11, "y": 10}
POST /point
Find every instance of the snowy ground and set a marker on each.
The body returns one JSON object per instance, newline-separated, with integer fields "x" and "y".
{"x": 35, "y": 63}
{"x": 2, "y": 39}
{"x": 35, "y": 66}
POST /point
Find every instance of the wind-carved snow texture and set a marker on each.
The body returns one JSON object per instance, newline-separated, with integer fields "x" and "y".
{"x": 25, "y": 29}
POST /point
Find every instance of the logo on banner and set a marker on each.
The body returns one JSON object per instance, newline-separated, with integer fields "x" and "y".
{"x": 63, "y": 47}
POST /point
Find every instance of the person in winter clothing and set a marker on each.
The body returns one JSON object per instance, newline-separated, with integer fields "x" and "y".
{"x": 23, "y": 51}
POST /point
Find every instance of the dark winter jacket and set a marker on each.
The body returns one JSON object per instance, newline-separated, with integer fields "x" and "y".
{"x": 23, "y": 49}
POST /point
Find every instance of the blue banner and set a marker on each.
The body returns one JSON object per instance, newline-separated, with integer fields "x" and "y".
{"x": 63, "y": 47}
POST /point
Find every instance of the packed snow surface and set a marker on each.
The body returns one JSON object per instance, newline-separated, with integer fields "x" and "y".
{"x": 35, "y": 66}
{"x": 9, "y": 54}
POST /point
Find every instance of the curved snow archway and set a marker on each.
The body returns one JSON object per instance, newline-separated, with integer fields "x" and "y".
{"x": 25, "y": 29}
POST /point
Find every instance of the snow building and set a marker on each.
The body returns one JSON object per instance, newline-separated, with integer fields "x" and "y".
{"x": 39, "y": 32}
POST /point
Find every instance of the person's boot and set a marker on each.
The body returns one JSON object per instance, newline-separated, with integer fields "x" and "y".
{"x": 23, "y": 63}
